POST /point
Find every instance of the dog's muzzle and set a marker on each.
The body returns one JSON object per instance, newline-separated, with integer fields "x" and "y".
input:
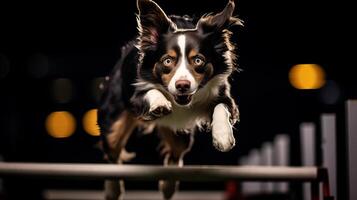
{"x": 183, "y": 88}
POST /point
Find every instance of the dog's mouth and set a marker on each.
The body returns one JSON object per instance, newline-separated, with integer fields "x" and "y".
{"x": 183, "y": 99}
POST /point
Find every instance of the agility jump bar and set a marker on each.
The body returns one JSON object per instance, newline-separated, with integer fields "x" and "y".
{"x": 150, "y": 172}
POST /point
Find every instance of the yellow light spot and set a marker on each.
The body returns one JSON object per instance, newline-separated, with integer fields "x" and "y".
{"x": 90, "y": 122}
{"x": 60, "y": 124}
{"x": 307, "y": 76}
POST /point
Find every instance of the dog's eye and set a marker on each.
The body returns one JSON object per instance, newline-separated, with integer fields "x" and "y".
{"x": 198, "y": 61}
{"x": 167, "y": 61}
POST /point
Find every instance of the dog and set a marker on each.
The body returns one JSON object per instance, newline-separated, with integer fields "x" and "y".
{"x": 172, "y": 78}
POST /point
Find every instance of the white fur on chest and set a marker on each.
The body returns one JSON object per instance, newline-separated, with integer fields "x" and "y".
{"x": 185, "y": 117}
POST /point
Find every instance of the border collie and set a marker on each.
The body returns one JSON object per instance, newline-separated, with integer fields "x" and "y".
{"x": 173, "y": 78}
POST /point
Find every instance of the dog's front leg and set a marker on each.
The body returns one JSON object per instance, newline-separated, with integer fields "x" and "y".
{"x": 222, "y": 132}
{"x": 151, "y": 105}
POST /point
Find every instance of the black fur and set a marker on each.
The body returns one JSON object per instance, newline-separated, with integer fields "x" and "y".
{"x": 118, "y": 90}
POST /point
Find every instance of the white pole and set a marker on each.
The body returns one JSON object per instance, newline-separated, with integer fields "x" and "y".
{"x": 307, "y": 138}
{"x": 281, "y": 153}
{"x": 352, "y": 147}
{"x": 253, "y": 159}
{"x": 328, "y": 128}
{"x": 267, "y": 160}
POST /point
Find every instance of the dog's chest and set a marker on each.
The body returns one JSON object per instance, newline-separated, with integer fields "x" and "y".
{"x": 186, "y": 117}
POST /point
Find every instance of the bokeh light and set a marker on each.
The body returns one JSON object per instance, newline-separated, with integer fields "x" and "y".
{"x": 60, "y": 124}
{"x": 62, "y": 90}
{"x": 307, "y": 76}
{"x": 90, "y": 122}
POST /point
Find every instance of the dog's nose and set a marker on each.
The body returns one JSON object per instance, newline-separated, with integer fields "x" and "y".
{"x": 183, "y": 85}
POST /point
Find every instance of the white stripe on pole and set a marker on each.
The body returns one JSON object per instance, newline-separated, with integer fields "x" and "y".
{"x": 281, "y": 158}
{"x": 307, "y": 139}
{"x": 267, "y": 160}
{"x": 352, "y": 147}
{"x": 328, "y": 128}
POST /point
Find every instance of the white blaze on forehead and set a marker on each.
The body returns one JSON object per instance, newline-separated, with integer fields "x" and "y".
{"x": 181, "y": 41}
{"x": 182, "y": 72}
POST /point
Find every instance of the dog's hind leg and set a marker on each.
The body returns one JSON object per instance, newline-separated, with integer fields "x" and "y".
{"x": 174, "y": 147}
{"x": 114, "y": 190}
{"x": 117, "y": 139}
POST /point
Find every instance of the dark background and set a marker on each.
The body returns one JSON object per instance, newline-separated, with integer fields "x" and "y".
{"x": 82, "y": 42}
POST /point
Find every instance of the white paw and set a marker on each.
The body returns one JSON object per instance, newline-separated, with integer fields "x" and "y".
{"x": 222, "y": 135}
{"x": 158, "y": 105}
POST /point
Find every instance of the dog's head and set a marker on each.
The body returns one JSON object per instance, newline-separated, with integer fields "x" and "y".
{"x": 183, "y": 57}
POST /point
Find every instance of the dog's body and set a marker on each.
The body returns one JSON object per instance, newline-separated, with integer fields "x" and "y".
{"x": 174, "y": 78}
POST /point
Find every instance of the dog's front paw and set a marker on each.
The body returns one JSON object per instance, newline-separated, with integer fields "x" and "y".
{"x": 222, "y": 135}
{"x": 205, "y": 126}
{"x": 158, "y": 105}
{"x": 160, "y": 108}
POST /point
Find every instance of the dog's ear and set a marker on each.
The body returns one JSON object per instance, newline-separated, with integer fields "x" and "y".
{"x": 152, "y": 22}
{"x": 219, "y": 22}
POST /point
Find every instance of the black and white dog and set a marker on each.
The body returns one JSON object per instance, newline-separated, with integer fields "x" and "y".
{"x": 173, "y": 78}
